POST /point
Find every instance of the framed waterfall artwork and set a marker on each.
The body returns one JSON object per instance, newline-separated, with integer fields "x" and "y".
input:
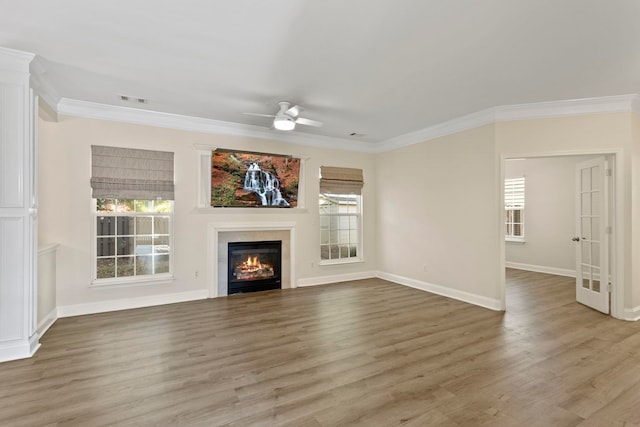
{"x": 247, "y": 179}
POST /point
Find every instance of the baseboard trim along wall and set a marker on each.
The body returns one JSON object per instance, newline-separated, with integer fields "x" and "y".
{"x": 541, "y": 269}
{"x": 129, "y": 303}
{"x": 490, "y": 303}
{"x": 48, "y": 320}
{"x": 325, "y": 280}
{"x": 632, "y": 314}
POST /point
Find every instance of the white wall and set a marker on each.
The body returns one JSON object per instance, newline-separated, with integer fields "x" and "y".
{"x": 437, "y": 218}
{"x": 66, "y": 218}
{"x": 549, "y": 213}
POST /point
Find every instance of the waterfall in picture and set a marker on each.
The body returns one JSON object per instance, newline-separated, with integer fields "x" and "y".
{"x": 265, "y": 185}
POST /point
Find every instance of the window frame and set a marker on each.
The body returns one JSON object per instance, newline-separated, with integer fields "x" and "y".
{"x": 145, "y": 279}
{"x": 514, "y": 201}
{"x": 359, "y": 257}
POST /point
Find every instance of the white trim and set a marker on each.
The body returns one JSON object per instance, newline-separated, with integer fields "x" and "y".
{"x": 458, "y": 124}
{"x": 445, "y": 291}
{"x": 563, "y": 108}
{"x": 325, "y": 280}
{"x": 21, "y": 350}
{"x": 541, "y": 269}
{"x": 129, "y": 303}
{"x": 537, "y": 110}
{"x": 94, "y": 110}
{"x": 47, "y": 321}
{"x": 213, "y": 231}
{"x": 632, "y": 314}
{"x": 15, "y": 60}
{"x": 617, "y": 220}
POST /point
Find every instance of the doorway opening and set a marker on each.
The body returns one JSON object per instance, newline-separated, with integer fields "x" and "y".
{"x": 567, "y": 226}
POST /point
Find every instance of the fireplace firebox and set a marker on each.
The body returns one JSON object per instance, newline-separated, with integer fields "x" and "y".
{"x": 254, "y": 266}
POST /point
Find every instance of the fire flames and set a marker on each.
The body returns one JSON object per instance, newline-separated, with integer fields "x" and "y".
{"x": 252, "y": 269}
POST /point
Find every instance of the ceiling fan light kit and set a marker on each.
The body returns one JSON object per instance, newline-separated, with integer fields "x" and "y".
{"x": 284, "y": 123}
{"x": 287, "y": 117}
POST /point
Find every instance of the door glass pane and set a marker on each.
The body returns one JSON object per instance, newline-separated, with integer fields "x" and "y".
{"x": 585, "y": 179}
{"x": 595, "y": 203}
{"x": 595, "y": 181}
{"x": 595, "y": 254}
{"x": 586, "y": 228}
{"x": 586, "y": 257}
{"x": 595, "y": 276}
{"x": 586, "y": 203}
{"x": 595, "y": 229}
{"x": 586, "y": 276}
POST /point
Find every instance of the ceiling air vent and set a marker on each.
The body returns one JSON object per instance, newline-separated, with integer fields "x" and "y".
{"x": 133, "y": 99}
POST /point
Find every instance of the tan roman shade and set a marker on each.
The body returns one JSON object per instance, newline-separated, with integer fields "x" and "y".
{"x": 127, "y": 173}
{"x": 340, "y": 180}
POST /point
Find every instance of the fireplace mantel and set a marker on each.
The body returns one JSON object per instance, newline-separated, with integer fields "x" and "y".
{"x": 213, "y": 238}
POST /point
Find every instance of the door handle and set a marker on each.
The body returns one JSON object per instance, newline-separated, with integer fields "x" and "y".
{"x": 576, "y": 239}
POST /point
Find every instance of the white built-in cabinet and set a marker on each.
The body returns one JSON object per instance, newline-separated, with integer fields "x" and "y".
{"x": 18, "y": 208}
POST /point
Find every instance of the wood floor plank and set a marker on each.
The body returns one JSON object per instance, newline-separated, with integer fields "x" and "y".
{"x": 367, "y": 352}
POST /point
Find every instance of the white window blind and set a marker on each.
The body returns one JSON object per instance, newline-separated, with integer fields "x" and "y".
{"x": 127, "y": 173}
{"x": 514, "y": 193}
{"x": 340, "y": 180}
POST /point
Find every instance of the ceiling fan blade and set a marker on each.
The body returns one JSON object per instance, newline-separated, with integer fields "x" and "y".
{"x": 260, "y": 115}
{"x": 308, "y": 122}
{"x": 294, "y": 111}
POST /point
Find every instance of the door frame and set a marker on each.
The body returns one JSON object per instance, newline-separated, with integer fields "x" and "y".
{"x": 616, "y": 218}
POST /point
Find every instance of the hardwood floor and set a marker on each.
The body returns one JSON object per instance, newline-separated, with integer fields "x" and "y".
{"x": 367, "y": 353}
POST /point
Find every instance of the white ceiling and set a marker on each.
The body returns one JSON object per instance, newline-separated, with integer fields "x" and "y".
{"x": 382, "y": 68}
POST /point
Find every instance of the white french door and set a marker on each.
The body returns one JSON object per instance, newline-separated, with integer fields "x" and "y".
{"x": 592, "y": 242}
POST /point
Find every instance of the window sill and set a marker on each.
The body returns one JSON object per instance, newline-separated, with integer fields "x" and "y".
{"x": 341, "y": 261}
{"x": 519, "y": 240}
{"x": 159, "y": 279}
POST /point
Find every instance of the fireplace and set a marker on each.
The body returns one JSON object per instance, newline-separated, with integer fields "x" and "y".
{"x": 254, "y": 266}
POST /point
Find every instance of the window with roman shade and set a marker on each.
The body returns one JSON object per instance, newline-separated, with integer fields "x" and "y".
{"x": 514, "y": 209}
{"x": 340, "y": 215}
{"x": 128, "y": 173}
{"x": 133, "y": 192}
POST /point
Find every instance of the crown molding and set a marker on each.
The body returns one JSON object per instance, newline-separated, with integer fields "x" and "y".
{"x": 459, "y": 124}
{"x": 93, "y": 110}
{"x": 15, "y": 60}
{"x": 570, "y": 107}
{"x": 537, "y": 110}
{"x": 41, "y": 84}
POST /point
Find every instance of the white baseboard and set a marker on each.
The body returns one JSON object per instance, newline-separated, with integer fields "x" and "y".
{"x": 19, "y": 349}
{"x": 632, "y": 314}
{"x": 541, "y": 269}
{"x": 129, "y": 303}
{"x": 490, "y": 303}
{"x": 325, "y": 280}
{"x": 47, "y": 322}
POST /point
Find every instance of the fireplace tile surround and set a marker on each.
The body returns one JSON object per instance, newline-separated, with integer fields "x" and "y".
{"x": 220, "y": 235}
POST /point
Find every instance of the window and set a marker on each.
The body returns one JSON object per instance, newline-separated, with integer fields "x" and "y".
{"x": 339, "y": 227}
{"x": 340, "y": 215}
{"x": 133, "y": 238}
{"x": 133, "y": 194}
{"x": 514, "y": 209}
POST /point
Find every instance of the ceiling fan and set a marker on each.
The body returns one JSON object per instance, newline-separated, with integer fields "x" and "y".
{"x": 288, "y": 117}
